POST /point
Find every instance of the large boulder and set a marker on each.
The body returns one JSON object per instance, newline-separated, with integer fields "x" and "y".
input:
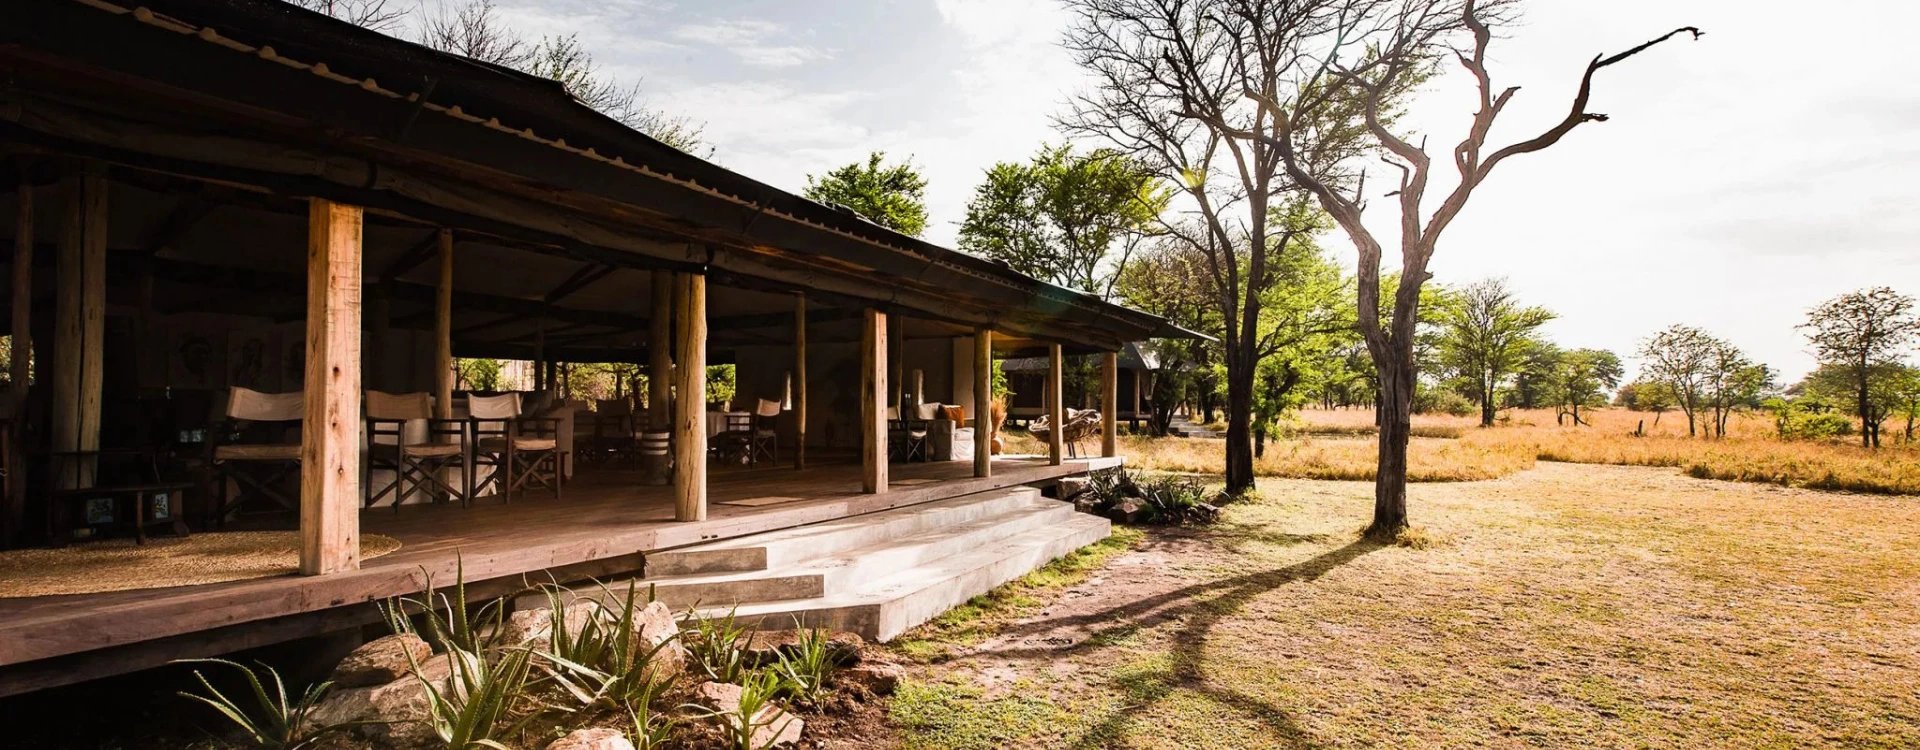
{"x": 396, "y": 712}
{"x": 596, "y": 738}
{"x": 656, "y": 625}
{"x": 1071, "y": 487}
{"x": 1128, "y": 511}
{"x": 772, "y": 727}
{"x": 381, "y": 661}
{"x": 534, "y": 627}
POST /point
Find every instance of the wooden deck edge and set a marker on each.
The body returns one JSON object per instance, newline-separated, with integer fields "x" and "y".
{"x": 26, "y": 641}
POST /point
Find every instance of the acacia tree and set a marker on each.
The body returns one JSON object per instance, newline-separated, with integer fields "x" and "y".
{"x": 893, "y": 196}
{"x": 1863, "y": 334}
{"x": 1062, "y": 215}
{"x": 1168, "y": 77}
{"x": 1582, "y": 378}
{"x": 1369, "y": 52}
{"x": 1680, "y": 357}
{"x": 1486, "y": 335}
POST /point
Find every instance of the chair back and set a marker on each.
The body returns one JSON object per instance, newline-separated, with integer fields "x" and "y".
{"x": 767, "y": 408}
{"x": 738, "y": 422}
{"x": 930, "y": 412}
{"x": 254, "y": 406}
{"x": 399, "y": 406}
{"x": 493, "y": 408}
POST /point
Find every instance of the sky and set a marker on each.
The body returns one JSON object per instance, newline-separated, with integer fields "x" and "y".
{"x": 1742, "y": 179}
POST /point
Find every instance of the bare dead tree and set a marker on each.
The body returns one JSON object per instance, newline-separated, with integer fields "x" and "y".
{"x": 1374, "y": 48}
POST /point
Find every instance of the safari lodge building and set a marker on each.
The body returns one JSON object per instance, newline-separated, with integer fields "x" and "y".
{"x": 248, "y": 243}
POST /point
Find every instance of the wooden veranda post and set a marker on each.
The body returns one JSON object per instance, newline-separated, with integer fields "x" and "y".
{"x": 443, "y": 331}
{"x": 330, "y": 432}
{"x": 873, "y": 406}
{"x": 80, "y": 323}
{"x": 690, "y": 409}
{"x": 799, "y": 381}
{"x": 20, "y": 368}
{"x": 656, "y": 459}
{"x": 983, "y": 402}
{"x": 1056, "y": 407}
{"x": 1110, "y": 404}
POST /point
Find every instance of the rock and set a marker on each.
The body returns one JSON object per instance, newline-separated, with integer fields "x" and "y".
{"x": 1129, "y": 511}
{"x": 1204, "y": 513}
{"x": 1072, "y": 487}
{"x": 875, "y": 678}
{"x": 381, "y": 660}
{"x": 765, "y": 647}
{"x": 597, "y": 738}
{"x": 655, "y": 623}
{"x": 399, "y": 707}
{"x": 772, "y": 727}
{"x": 535, "y": 626}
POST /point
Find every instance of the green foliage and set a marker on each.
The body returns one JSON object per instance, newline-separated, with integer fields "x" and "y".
{"x": 478, "y": 374}
{"x": 1806, "y": 418}
{"x": 758, "y": 691}
{"x": 606, "y": 660}
{"x": 1860, "y": 338}
{"x": 1707, "y": 376}
{"x": 1174, "y": 499}
{"x": 271, "y": 720}
{"x": 1486, "y": 336}
{"x": 807, "y": 667}
{"x": 718, "y": 646}
{"x": 1581, "y": 378}
{"x": 893, "y": 196}
{"x": 449, "y": 622}
{"x": 1441, "y": 401}
{"x": 721, "y": 383}
{"x": 1058, "y": 217}
{"x": 473, "y": 708}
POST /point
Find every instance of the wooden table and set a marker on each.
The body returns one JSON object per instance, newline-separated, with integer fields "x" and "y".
{"x": 135, "y": 498}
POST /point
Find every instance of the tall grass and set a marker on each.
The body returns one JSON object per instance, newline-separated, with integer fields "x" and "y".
{"x": 1751, "y": 452}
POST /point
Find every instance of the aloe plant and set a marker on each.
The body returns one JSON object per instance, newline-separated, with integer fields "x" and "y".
{"x": 608, "y": 660}
{"x": 806, "y": 667}
{"x": 758, "y": 692}
{"x": 450, "y": 623}
{"x": 718, "y": 645}
{"x": 472, "y": 708}
{"x": 270, "y": 720}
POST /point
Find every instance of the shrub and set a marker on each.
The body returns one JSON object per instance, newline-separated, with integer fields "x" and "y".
{"x": 806, "y": 668}
{"x": 272, "y": 721}
{"x": 607, "y": 661}
{"x": 718, "y": 645}
{"x": 1442, "y": 401}
{"x": 1171, "y": 499}
{"x": 473, "y": 707}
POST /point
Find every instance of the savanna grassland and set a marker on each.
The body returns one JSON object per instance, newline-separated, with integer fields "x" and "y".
{"x": 1566, "y": 605}
{"x": 1338, "y": 445}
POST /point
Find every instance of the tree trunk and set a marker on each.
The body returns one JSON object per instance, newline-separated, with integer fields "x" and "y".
{"x": 1486, "y": 401}
{"x": 1259, "y": 442}
{"x": 1395, "y": 415}
{"x": 1239, "y": 429}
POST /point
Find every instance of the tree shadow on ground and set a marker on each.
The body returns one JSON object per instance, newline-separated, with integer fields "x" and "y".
{"x": 1200, "y": 608}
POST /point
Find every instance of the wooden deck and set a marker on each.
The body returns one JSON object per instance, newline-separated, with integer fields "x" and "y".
{"x": 601, "y": 527}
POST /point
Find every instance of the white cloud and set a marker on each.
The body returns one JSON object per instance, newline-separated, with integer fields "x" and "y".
{"x": 752, "y": 41}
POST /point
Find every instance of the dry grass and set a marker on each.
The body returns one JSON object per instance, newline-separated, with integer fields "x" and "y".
{"x": 1585, "y": 606}
{"x": 1750, "y": 453}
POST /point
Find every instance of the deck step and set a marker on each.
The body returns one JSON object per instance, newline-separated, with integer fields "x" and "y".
{"x": 836, "y": 574}
{"x": 791, "y": 546}
{"x": 883, "y": 607}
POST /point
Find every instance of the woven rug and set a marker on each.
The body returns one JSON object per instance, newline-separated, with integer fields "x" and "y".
{"x": 121, "y": 565}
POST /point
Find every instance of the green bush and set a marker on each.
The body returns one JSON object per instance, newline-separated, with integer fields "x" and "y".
{"x": 1807, "y": 419}
{"x": 1442, "y": 401}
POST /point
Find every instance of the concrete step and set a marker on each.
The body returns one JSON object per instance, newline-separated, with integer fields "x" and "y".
{"x": 884, "y": 607}
{"x": 835, "y": 574}
{"x": 790, "y": 546}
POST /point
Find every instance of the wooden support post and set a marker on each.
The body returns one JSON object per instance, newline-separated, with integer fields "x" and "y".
{"x": 330, "y": 432}
{"x": 1110, "y": 404}
{"x": 896, "y": 356}
{"x": 690, "y": 409}
{"x": 540, "y": 383}
{"x": 80, "y": 324}
{"x": 800, "y": 381}
{"x": 1056, "y": 406}
{"x": 660, "y": 353}
{"x": 20, "y": 369}
{"x": 443, "y": 331}
{"x": 983, "y": 425}
{"x": 873, "y": 406}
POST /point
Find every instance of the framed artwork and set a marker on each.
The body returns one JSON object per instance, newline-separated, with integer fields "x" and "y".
{"x": 160, "y": 506}
{"x": 99, "y": 511}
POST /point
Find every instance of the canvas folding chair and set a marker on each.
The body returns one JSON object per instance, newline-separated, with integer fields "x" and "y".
{"x": 252, "y": 454}
{"x": 765, "y": 438}
{"x": 734, "y": 442}
{"x": 403, "y": 437}
{"x": 522, "y": 451}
